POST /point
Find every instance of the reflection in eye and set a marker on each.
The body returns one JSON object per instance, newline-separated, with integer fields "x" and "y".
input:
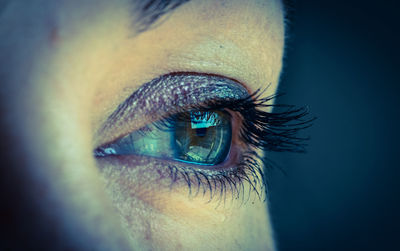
{"x": 207, "y": 132}
{"x": 204, "y": 138}
{"x": 196, "y": 137}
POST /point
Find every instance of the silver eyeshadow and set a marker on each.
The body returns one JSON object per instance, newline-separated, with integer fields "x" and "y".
{"x": 170, "y": 94}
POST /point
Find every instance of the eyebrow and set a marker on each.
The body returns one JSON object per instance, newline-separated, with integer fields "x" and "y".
{"x": 146, "y": 13}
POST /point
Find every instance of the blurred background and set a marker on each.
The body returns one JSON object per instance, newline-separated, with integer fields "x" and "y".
{"x": 343, "y": 194}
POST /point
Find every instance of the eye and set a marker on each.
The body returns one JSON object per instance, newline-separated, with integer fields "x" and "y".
{"x": 197, "y": 137}
{"x": 198, "y": 130}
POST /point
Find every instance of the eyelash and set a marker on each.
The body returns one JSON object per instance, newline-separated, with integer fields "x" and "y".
{"x": 268, "y": 131}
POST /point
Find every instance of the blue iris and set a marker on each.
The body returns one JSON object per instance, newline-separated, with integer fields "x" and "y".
{"x": 205, "y": 139}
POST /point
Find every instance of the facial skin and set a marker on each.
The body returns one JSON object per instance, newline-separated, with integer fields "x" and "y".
{"x": 67, "y": 65}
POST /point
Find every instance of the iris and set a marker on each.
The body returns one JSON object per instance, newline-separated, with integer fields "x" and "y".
{"x": 204, "y": 139}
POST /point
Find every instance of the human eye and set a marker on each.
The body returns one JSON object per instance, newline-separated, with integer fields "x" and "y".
{"x": 196, "y": 137}
{"x": 205, "y": 132}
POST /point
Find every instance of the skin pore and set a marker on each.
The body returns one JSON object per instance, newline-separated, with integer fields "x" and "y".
{"x": 73, "y": 63}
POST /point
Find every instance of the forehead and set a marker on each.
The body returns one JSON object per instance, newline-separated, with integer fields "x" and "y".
{"x": 144, "y": 13}
{"x": 242, "y": 40}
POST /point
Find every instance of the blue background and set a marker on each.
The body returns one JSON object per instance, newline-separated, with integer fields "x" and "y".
{"x": 341, "y": 61}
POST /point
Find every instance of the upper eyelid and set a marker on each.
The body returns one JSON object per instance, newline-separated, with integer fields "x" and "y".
{"x": 168, "y": 93}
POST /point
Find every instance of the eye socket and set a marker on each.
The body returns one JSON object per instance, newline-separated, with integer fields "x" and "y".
{"x": 222, "y": 149}
{"x": 196, "y": 137}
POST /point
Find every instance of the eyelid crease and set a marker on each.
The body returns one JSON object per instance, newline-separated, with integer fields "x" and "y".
{"x": 164, "y": 96}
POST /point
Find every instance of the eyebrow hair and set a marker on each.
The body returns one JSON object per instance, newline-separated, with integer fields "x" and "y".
{"x": 146, "y": 13}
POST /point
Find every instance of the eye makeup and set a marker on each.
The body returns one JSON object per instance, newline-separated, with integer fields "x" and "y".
{"x": 254, "y": 128}
{"x": 166, "y": 95}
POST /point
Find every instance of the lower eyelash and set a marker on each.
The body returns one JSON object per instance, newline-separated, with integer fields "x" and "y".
{"x": 266, "y": 131}
{"x": 219, "y": 183}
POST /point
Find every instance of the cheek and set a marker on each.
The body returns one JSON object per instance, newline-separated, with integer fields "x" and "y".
{"x": 62, "y": 180}
{"x": 168, "y": 217}
{"x": 52, "y": 133}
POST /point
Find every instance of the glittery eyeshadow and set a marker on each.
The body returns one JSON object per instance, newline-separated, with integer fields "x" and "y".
{"x": 170, "y": 93}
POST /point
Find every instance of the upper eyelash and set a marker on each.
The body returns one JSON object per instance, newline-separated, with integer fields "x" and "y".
{"x": 268, "y": 131}
{"x": 260, "y": 128}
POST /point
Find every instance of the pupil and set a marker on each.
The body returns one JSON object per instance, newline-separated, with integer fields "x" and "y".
{"x": 201, "y": 132}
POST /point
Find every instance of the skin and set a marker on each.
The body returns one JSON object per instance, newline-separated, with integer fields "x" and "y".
{"x": 67, "y": 66}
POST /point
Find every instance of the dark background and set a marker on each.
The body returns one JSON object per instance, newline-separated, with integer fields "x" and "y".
{"x": 341, "y": 61}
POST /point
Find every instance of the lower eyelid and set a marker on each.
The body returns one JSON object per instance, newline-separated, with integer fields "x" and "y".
{"x": 153, "y": 180}
{"x": 133, "y": 161}
{"x": 151, "y": 173}
{"x": 146, "y": 186}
